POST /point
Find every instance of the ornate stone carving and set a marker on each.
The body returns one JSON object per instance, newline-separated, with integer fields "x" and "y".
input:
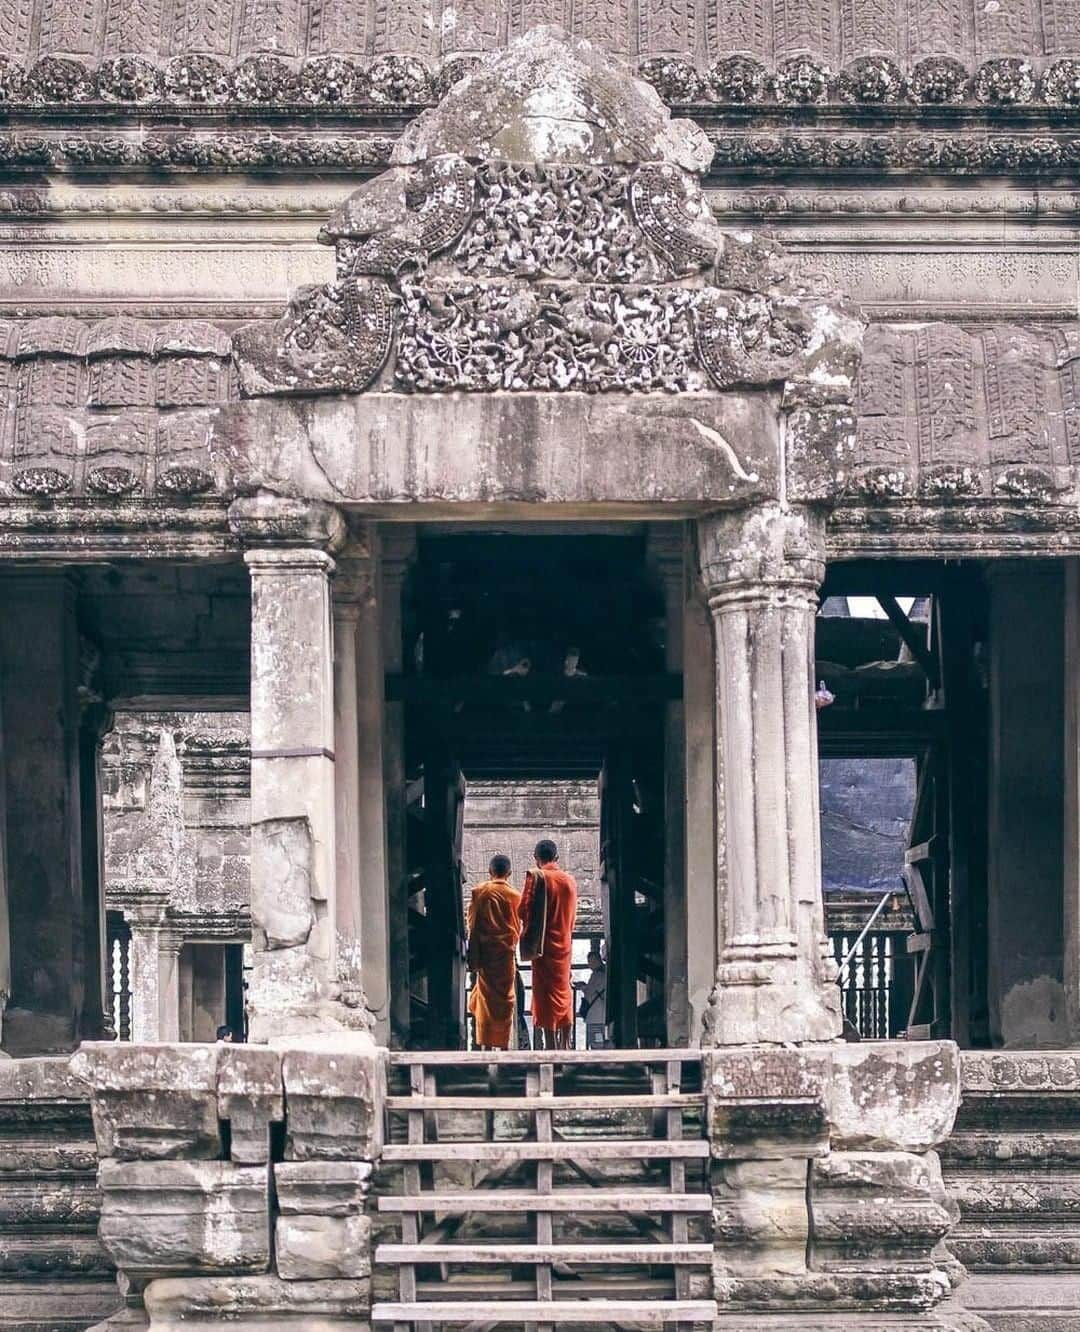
{"x": 871, "y": 79}
{"x": 1004, "y": 82}
{"x": 738, "y": 79}
{"x": 1061, "y": 82}
{"x": 129, "y": 79}
{"x": 579, "y": 269}
{"x": 749, "y": 340}
{"x": 536, "y": 221}
{"x": 197, "y": 78}
{"x": 485, "y": 337}
{"x": 671, "y": 210}
{"x": 403, "y": 218}
{"x": 802, "y": 80}
{"x": 330, "y": 80}
{"x": 333, "y": 338}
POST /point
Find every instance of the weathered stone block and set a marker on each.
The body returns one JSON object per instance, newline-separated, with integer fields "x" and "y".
{"x": 893, "y": 1095}
{"x": 169, "y": 1217}
{"x": 322, "y": 1188}
{"x": 334, "y": 1089}
{"x": 319, "y": 1248}
{"x": 880, "y": 1206}
{"x": 250, "y": 1096}
{"x": 258, "y": 1304}
{"x": 760, "y": 1217}
{"x": 766, "y": 1101}
{"x": 152, "y": 1102}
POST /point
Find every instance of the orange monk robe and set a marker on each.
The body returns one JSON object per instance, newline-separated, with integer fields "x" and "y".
{"x": 553, "y": 995}
{"x": 494, "y": 931}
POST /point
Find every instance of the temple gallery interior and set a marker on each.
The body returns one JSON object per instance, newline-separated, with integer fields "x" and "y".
{"x": 432, "y": 429}
{"x": 527, "y": 680}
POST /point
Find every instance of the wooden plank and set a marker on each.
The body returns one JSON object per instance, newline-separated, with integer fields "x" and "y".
{"x": 629, "y": 1149}
{"x": 527, "y": 1104}
{"x": 634, "y": 1312}
{"x": 600, "y": 1252}
{"x": 577, "y": 1200}
{"x": 632, "y": 1058}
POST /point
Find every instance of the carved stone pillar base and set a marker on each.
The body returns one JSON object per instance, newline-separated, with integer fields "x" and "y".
{"x": 829, "y": 1207}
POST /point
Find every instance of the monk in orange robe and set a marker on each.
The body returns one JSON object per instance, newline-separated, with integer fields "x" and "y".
{"x": 494, "y": 930}
{"x": 553, "y": 995}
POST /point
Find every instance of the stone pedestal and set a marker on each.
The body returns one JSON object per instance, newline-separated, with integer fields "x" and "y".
{"x": 206, "y": 1228}
{"x": 761, "y": 569}
{"x": 829, "y": 1206}
{"x": 294, "y": 987}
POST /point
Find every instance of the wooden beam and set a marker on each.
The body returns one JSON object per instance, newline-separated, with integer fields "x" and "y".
{"x": 916, "y": 646}
{"x": 535, "y": 689}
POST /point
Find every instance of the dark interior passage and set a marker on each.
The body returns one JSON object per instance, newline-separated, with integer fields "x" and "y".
{"x": 530, "y": 658}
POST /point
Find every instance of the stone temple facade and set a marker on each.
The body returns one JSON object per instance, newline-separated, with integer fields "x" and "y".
{"x": 399, "y": 397}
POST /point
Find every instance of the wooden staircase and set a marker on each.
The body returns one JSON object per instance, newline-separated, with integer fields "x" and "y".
{"x": 538, "y": 1188}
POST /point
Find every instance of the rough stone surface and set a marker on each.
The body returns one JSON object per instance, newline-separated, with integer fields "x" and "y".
{"x": 165, "y": 1217}
{"x": 323, "y": 1248}
{"x": 892, "y": 1095}
{"x": 483, "y": 450}
{"x": 260, "y": 1303}
{"x": 250, "y": 1095}
{"x": 334, "y": 1088}
{"x": 152, "y": 1102}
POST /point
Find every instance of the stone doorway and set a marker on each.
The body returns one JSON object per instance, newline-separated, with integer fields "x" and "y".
{"x": 539, "y": 658}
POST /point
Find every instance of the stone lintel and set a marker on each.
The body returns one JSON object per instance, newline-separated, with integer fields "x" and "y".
{"x": 658, "y": 455}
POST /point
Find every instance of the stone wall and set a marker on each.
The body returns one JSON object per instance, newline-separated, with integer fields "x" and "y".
{"x": 212, "y": 753}
{"x": 55, "y": 1275}
{"x": 234, "y": 1179}
{"x": 512, "y": 817}
{"x": 1012, "y": 1165}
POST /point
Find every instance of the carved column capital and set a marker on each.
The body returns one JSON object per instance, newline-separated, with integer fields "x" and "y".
{"x": 278, "y": 522}
{"x": 759, "y": 551}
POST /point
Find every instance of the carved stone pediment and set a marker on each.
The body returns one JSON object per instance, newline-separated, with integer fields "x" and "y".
{"x": 544, "y": 229}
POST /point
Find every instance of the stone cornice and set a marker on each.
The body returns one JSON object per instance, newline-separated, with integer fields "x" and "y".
{"x": 268, "y": 86}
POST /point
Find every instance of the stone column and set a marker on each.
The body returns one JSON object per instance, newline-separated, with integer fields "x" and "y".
{"x": 294, "y": 987}
{"x": 39, "y": 677}
{"x": 761, "y": 569}
{"x": 1025, "y": 864}
{"x": 155, "y": 973}
{"x": 397, "y": 552}
{"x": 362, "y": 926}
{"x": 1071, "y": 906}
